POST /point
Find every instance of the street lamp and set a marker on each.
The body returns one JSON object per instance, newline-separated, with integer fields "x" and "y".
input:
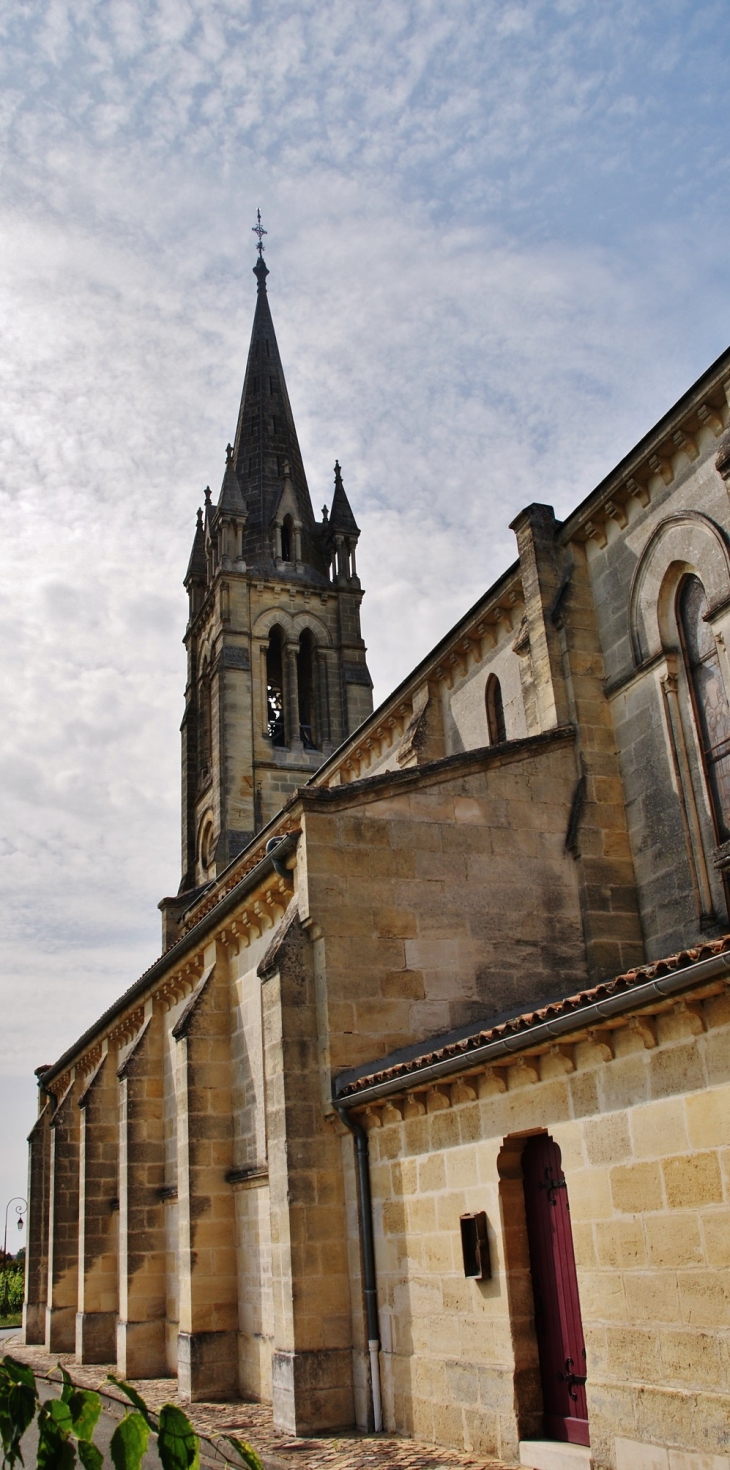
{"x": 21, "y": 1206}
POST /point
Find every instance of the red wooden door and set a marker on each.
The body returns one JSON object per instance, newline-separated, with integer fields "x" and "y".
{"x": 555, "y": 1287}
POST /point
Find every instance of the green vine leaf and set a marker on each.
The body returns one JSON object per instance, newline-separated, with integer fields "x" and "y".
{"x": 55, "y": 1449}
{"x": 245, "y": 1450}
{"x": 18, "y": 1404}
{"x": 19, "y": 1372}
{"x": 134, "y": 1398}
{"x": 68, "y": 1387}
{"x": 129, "y": 1441}
{"x": 91, "y": 1458}
{"x": 177, "y": 1443}
{"x": 85, "y": 1407}
{"x": 60, "y": 1414}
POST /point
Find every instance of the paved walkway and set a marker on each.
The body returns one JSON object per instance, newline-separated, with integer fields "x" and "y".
{"x": 253, "y": 1422}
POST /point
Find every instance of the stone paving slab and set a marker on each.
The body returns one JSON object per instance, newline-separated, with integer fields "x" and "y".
{"x": 348, "y": 1450}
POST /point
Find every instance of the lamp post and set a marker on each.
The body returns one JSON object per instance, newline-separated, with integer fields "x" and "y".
{"x": 21, "y": 1206}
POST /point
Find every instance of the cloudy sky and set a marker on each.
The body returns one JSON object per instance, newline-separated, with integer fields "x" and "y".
{"x": 498, "y": 252}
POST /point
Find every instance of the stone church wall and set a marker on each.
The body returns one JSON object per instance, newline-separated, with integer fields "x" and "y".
{"x": 635, "y": 578}
{"x": 645, "y": 1142}
{"x": 457, "y": 713}
{"x": 451, "y": 901}
{"x": 466, "y": 723}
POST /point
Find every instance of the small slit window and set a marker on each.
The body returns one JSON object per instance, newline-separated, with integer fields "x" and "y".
{"x": 496, "y": 727}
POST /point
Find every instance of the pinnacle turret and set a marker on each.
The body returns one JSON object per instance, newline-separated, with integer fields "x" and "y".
{"x": 196, "y": 571}
{"x": 230, "y": 500}
{"x": 341, "y": 517}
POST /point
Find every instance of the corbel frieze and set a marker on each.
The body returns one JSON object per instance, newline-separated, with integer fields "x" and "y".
{"x": 662, "y": 464}
{"x": 179, "y": 984}
{"x": 126, "y": 1028}
{"x": 541, "y": 1063}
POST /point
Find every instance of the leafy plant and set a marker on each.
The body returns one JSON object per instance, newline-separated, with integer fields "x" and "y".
{"x": 66, "y": 1426}
{"x": 12, "y": 1286}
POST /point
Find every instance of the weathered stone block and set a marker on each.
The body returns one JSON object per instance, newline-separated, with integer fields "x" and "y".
{"x": 692, "y": 1180}
{"x": 637, "y": 1187}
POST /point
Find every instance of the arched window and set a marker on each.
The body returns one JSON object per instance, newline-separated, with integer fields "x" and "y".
{"x": 495, "y": 711}
{"x": 305, "y": 680}
{"x": 286, "y": 538}
{"x": 206, "y": 844}
{"x": 709, "y": 699}
{"x": 275, "y": 688}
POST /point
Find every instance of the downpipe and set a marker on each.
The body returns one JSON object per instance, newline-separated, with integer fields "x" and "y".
{"x": 370, "y": 1292}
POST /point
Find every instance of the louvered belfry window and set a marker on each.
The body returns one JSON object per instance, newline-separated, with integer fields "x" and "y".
{"x": 709, "y": 698}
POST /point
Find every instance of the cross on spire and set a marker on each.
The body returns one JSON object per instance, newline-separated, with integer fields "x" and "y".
{"x": 259, "y": 230}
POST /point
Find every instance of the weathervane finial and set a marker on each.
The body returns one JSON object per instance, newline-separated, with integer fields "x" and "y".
{"x": 259, "y": 230}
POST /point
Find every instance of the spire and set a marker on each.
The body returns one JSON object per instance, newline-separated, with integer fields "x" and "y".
{"x": 265, "y": 439}
{"x": 341, "y": 520}
{"x": 196, "y": 571}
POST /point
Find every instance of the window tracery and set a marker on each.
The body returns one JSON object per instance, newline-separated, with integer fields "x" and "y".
{"x": 709, "y": 698}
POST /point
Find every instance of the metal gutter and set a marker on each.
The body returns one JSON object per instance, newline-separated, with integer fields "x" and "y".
{"x": 369, "y": 1280}
{"x": 541, "y": 1031}
{"x": 209, "y": 921}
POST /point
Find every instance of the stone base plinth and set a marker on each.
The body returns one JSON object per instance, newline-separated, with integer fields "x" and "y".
{"x": 60, "y": 1333}
{"x": 207, "y": 1365}
{"x": 96, "y": 1337}
{"x": 554, "y": 1454}
{"x": 312, "y": 1391}
{"x": 34, "y": 1323}
{"x": 141, "y": 1349}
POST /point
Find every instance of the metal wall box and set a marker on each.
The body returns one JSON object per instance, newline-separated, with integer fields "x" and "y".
{"x": 475, "y": 1246}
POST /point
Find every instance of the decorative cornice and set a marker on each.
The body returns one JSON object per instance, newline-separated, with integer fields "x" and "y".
{"x": 691, "y": 427}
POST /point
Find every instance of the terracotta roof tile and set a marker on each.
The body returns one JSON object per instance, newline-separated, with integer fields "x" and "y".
{"x": 457, "y": 1049}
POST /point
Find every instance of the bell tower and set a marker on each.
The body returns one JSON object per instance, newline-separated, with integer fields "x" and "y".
{"x": 277, "y": 676}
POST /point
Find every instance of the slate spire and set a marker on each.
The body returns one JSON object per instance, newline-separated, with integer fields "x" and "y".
{"x": 341, "y": 517}
{"x": 196, "y": 571}
{"x": 230, "y": 500}
{"x": 265, "y": 440}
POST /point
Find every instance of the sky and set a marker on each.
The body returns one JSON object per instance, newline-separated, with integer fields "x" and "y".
{"x": 497, "y": 238}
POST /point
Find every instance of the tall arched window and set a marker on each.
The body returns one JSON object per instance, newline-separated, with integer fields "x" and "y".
{"x": 495, "y": 711}
{"x": 709, "y": 698}
{"x": 275, "y": 688}
{"x": 286, "y": 538}
{"x": 305, "y": 679}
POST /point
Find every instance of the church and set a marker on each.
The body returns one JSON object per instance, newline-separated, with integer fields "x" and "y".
{"x": 421, "y": 1120}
